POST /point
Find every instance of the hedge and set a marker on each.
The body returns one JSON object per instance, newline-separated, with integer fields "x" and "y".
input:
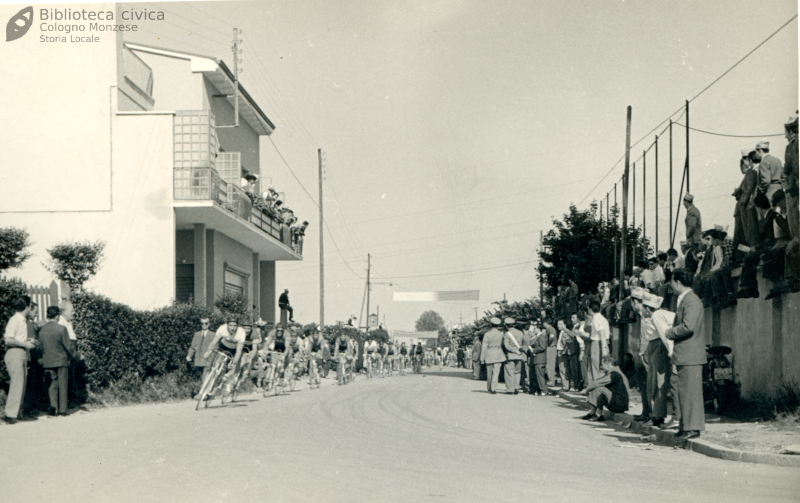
{"x": 116, "y": 340}
{"x": 10, "y": 291}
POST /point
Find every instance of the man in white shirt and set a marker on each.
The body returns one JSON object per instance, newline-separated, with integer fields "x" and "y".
{"x": 599, "y": 337}
{"x": 656, "y": 356}
{"x": 16, "y": 359}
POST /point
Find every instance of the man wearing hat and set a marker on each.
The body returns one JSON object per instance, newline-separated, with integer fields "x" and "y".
{"x": 770, "y": 171}
{"x": 745, "y": 229}
{"x": 790, "y": 175}
{"x": 694, "y": 223}
{"x": 476, "y": 358}
{"x": 492, "y": 354}
{"x": 539, "y": 345}
{"x": 655, "y": 354}
{"x": 513, "y": 346}
{"x": 283, "y": 303}
{"x": 688, "y": 356}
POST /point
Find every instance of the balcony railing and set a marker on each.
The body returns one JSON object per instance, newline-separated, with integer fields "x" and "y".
{"x": 199, "y": 184}
{"x": 205, "y": 184}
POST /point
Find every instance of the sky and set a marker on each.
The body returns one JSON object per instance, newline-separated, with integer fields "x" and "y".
{"x": 453, "y": 132}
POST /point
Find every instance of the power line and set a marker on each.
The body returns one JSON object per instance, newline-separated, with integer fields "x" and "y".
{"x": 461, "y": 272}
{"x": 745, "y": 57}
{"x": 730, "y": 135}
{"x": 292, "y": 172}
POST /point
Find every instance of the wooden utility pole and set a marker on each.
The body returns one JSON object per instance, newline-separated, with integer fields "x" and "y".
{"x": 321, "y": 247}
{"x": 688, "y": 188}
{"x": 541, "y": 280}
{"x": 656, "y": 250}
{"x": 369, "y": 259}
{"x": 623, "y": 236}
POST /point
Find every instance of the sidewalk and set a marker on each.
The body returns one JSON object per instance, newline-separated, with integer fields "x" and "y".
{"x": 762, "y": 450}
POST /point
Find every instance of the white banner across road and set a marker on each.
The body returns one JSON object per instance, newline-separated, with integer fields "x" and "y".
{"x": 436, "y": 296}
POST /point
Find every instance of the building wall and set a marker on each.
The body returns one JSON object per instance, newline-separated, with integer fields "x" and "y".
{"x": 242, "y": 139}
{"x": 184, "y": 247}
{"x": 175, "y": 87}
{"x": 56, "y": 123}
{"x": 236, "y": 254}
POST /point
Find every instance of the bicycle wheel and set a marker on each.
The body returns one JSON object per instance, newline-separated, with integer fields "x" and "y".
{"x": 201, "y": 395}
{"x": 292, "y": 377}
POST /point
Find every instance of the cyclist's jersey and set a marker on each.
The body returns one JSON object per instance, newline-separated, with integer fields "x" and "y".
{"x": 382, "y": 349}
{"x": 253, "y": 339}
{"x": 297, "y": 346}
{"x": 418, "y": 350}
{"x": 280, "y": 345}
{"x": 370, "y": 347}
{"x": 316, "y": 345}
{"x": 403, "y": 351}
{"x": 228, "y": 341}
{"x": 439, "y": 352}
{"x": 391, "y": 350}
{"x": 343, "y": 343}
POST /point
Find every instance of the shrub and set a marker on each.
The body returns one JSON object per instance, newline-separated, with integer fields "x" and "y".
{"x": 234, "y": 305}
{"x": 75, "y": 263}
{"x": 119, "y": 342}
{"x": 12, "y": 247}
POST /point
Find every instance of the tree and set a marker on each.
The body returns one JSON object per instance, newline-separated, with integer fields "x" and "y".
{"x": 380, "y": 335}
{"x": 12, "y": 247}
{"x": 582, "y": 248}
{"x": 234, "y": 305}
{"x": 429, "y": 321}
{"x": 75, "y": 263}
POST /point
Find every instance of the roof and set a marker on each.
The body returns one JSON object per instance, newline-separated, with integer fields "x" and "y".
{"x": 216, "y": 71}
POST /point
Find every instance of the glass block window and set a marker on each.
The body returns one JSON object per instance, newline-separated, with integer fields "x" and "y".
{"x": 229, "y": 167}
{"x": 195, "y": 140}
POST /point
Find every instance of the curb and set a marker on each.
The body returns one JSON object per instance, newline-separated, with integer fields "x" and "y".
{"x": 699, "y": 446}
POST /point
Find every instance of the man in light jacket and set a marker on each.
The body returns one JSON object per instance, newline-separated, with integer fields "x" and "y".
{"x": 492, "y": 354}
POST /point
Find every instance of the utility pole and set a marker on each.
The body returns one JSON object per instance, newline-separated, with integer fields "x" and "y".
{"x": 688, "y": 188}
{"x": 476, "y": 314}
{"x": 541, "y": 283}
{"x": 670, "y": 183}
{"x": 321, "y": 247}
{"x": 624, "y": 244}
{"x": 656, "y": 250}
{"x": 236, "y": 71}
{"x": 369, "y": 259}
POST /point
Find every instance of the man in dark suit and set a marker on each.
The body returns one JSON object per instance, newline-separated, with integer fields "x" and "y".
{"x": 57, "y": 350}
{"x": 492, "y": 355}
{"x": 476, "y": 358}
{"x": 283, "y": 303}
{"x": 538, "y": 349}
{"x": 199, "y": 347}
{"x": 689, "y": 355}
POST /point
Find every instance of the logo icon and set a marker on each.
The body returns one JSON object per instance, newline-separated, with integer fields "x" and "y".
{"x": 19, "y": 24}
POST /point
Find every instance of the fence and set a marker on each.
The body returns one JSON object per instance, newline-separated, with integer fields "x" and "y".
{"x": 43, "y": 296}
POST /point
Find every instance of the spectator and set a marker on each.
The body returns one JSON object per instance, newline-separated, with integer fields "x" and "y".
{"x": 745, "y": 231}
{"x": 572, "y": 297}
{"x": 538, "y": 352}
{"x": 775, "y": 259}
{"x": 610, "y": 391}
{"x": 476, "y": 357}
{"x": 197, "y": 350}
{"x": 298, "y": 234}
{"x": 248, "y": 184}
{"x": 57, "y": 351}
{"x": 492, "y": 354}
{"x": 460, "y": 358}
{"x": 693, "y": 221}
{"x": 577, "y": 327}
{"x": 16, "y": 359}
{"x": 513, "y": 344}
{"x": 600, "y": 337}
{"x": 689, "y": 356}
{"x": 722, "y": 290}
{"x": 770, "y": 247}
{"x": 770, "y": 171}
{"x": 283, "y": 303}
{"x": 790, "y": 176}
{"x": 710, "y": 257}
{"x": 648, "y": 274}
{"x": 656, "y": 358}
{"x": 568, "y": 354}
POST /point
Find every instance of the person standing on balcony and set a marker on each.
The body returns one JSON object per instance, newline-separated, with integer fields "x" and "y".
{"x": 283, "y": 303}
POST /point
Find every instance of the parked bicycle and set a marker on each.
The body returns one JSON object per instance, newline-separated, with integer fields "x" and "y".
{"x": 719, "y": 388}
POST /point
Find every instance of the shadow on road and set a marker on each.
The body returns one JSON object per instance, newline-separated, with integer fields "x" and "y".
{"x": 451, "y": 373}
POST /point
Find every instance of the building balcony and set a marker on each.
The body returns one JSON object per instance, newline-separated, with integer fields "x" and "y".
{"x": 203, "y": 197}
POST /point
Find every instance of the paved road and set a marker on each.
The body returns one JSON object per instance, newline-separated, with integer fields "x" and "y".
{"x": 435, "y": 437}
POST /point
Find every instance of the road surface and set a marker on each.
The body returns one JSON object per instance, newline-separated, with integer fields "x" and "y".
{"x": 432, "y": 437}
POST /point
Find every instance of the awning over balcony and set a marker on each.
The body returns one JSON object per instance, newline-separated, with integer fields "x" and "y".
{"x": 214, "y": 216}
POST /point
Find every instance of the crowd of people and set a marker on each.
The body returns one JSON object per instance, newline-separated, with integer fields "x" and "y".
{"x": 673, "y": 352}
{"x": 270, "y": 202}
{"x": 48, "y": 346}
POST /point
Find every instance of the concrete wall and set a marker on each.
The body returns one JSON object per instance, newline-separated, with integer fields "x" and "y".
{"x": 236, "y": 254}
{"x": 765, "y": 340}
{"x": 56, "y": 102}
{"x": 242, "y": 139}
{"x": 175, "y": 87}
{"x": 184, "y": 247}
{"x": 268, "y": 298}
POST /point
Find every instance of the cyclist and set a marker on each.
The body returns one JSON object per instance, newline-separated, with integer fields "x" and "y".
{"x": 418, "y": 353}
{"x": 381, "y": 357}
{"x": 253, "y": 340}
{"x": 343, "y": 346}
{"x": 370, "y": 354}
{"x": 278, "y": 343}
{"x": 228, "y": 339}
{"x": 298, "y": 345}
{"x": 403, "y": 357}
{"x": 390, "y": 357}
{"x": 439, "y": 357}
{"x": 316, "y": 343}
